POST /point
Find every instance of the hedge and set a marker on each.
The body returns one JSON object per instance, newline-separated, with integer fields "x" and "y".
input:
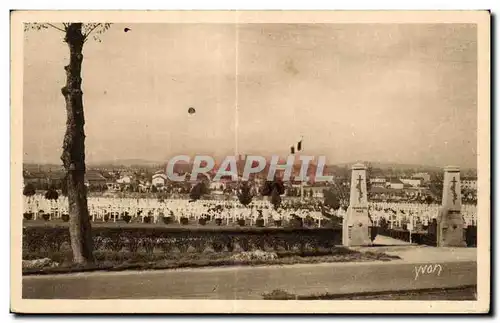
{"x": 52, "y": 238}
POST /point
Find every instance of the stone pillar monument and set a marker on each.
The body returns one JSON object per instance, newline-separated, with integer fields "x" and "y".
{"x": 357, "y": 223}
{"x": 450, "y": 224}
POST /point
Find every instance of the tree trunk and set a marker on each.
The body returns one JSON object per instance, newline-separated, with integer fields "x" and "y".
{"x": 73, "y": 155}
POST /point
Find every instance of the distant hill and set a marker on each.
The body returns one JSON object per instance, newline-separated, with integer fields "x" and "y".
{"x": 403, "y": 168}
{"x": 395, "y": 166}
{"x": 33, "y": 167}
{"x": 340, "y": 169}
{"x": 126, "y": 163}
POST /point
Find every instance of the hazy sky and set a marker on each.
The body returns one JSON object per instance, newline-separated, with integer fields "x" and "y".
{"x": 397, "y": 93}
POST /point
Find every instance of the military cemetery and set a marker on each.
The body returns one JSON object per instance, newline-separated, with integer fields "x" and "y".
{"x": 309, "y": 161}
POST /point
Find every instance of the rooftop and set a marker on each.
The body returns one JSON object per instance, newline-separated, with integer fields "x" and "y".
{"x": 92, "y": 175}
{"x": 395, "y": 181}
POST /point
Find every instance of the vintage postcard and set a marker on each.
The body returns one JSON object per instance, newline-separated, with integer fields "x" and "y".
{"x": 250, "y": 162}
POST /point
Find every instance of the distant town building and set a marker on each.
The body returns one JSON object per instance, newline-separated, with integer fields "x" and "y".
{"x": 378, "y": 181}
{"x": 220, "y": 185}
{"x": 424, "y": 176}
{"x": 413, "y": 182}
{"x": 41, "y": 179}
{"x": 378, "y": 193}
{"x": 216, "y": 187}
{"x": 94, "y": 178}
{"x": 159, "y": 179}
{"x": 124, "y": 180}
{"x": 396, "y": 183}
{"x": 316, "y": 190}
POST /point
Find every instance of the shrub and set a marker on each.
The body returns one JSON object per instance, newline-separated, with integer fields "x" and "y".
{"x": 373, "y": 233}
{"x": 309, "y": 221}
{"x": 202, "y": 221}
{"x": 244, "y": 243}
{"x": 275, "y": 198}
{"x": 383, "y": 224}
{"x": 277, "y": 223}
{"x": 165, "y": 244}
{"x": 217, "y": 245}
{"x": 258, "y": 242}
{"x": 296, "y": 222}
{"x": 46, "y": 216}
{"x": 65, "y": 217}
{"x": 132, "y": 243}
{"x": 228, "y": 242}
{"x": 126, "y": 217}
{"x": 184, "y": 221}
{"x": 218, "y": 221}
{"x": 245, "y": 195}
{"x": 148, "y": 245}
{"x": 332, "y": 221}
{"x": 167, "y": 219}
{"x": 29, "y": 190}
{"x": 471, "y": 236}
{"x": 182, "y": 245}
{"x": 259, "y": 222}
{"x": 39, "y": 263}
{"x": 331, "y": 199}
{"x": 148, "y": 219}
{"x": 28, "y": 216}
{"x": 51, "y": 194}
{"x": 198, "y": 191}
{"x": 270, "y": 186}
{"x": 100, "y": 243}
{"x": 241, "y": 222}
{"x": 256, "y": 255}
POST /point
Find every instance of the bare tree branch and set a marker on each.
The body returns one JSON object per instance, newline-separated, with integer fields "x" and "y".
{"x": 90, "y": 31}
{"x": 96, "y": 29}
{"x": 34, "y": 26}
{"x": 55, "y": 27}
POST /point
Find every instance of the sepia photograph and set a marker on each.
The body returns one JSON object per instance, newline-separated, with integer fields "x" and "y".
{"x": 250, "y": 162}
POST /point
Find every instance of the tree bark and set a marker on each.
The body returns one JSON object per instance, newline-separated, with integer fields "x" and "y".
{"x": 73, "y": 155}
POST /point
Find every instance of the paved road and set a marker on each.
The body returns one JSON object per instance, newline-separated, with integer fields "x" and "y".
{"x": 250, "y": 282}
{"x": 450, "y": 294}
{"x": 388, "y": 241}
